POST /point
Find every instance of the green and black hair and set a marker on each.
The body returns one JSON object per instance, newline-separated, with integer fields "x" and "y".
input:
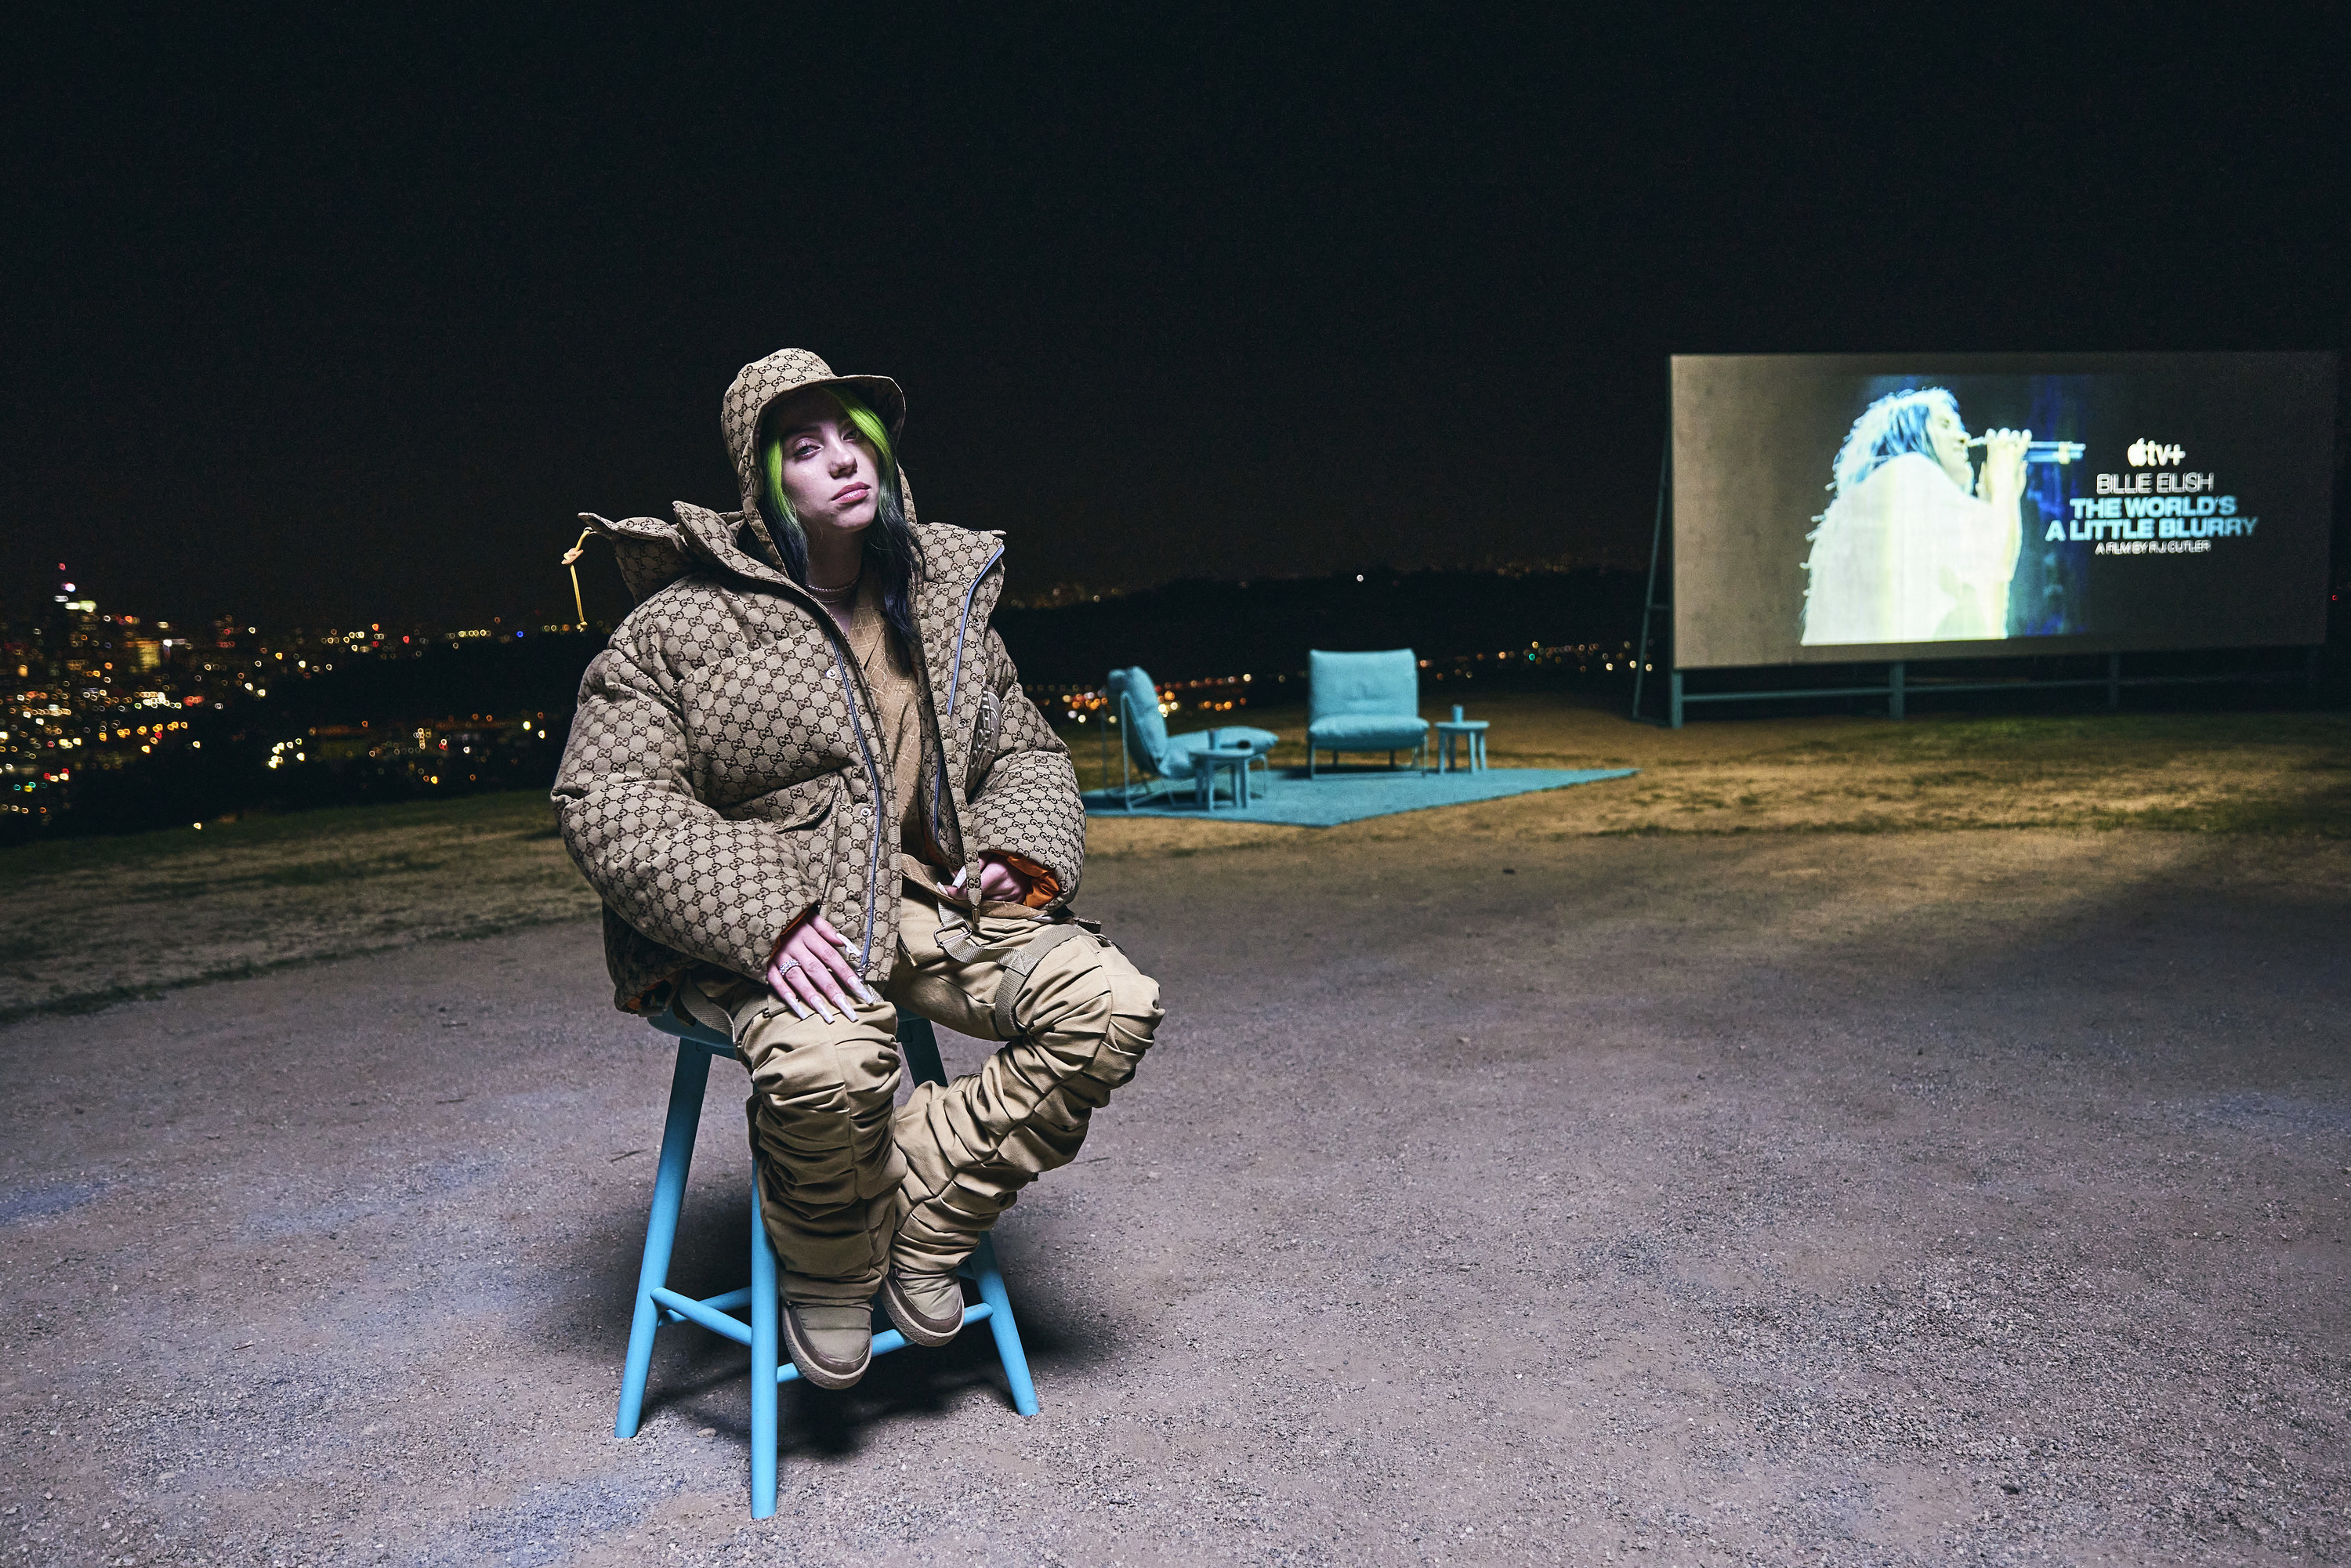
{"x": 891, "y": 550}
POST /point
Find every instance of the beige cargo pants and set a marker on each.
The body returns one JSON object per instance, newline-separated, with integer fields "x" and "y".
{"x": 851, "y": 1183}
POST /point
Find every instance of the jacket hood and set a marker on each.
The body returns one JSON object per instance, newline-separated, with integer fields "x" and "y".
{"x": 654, "y": 552}
{"x": 759, "y": 384}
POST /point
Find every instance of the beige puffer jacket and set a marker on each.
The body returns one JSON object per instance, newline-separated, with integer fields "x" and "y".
{"x": 724, "y": 776}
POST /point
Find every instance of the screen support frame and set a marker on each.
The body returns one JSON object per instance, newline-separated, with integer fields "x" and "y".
{"x": 1650, "y": 605}
{"x": 1898, "y": 688}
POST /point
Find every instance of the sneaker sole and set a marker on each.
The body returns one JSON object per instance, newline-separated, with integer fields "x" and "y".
{"x": 822, "y": 1374}
{"x": 916, "y": 1328}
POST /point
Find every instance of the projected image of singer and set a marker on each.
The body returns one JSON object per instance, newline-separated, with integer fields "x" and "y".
{"x": 1917, "y": 547}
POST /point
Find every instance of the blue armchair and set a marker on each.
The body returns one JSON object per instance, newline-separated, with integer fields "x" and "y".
{"x": 1147, "y": 746}
{"x": 1364, "y": 701}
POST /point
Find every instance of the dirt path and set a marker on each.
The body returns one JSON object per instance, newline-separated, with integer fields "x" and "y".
{"x": 1806, "y": 1197}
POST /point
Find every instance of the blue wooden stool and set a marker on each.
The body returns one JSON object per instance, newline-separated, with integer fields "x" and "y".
{"x": 658, "y": 1306}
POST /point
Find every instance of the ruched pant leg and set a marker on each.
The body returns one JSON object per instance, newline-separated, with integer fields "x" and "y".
{"x": 1082, "y": 1020}
{"x": 831, "y": 1180}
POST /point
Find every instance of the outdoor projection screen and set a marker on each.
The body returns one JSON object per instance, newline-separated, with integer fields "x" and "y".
{"x": 1832, "y": 508}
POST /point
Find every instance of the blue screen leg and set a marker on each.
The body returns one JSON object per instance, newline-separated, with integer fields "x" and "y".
{"x": 661, "y": 1231}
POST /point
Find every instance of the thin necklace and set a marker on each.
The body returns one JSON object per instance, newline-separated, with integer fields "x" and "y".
{"x": 839, "y": 593}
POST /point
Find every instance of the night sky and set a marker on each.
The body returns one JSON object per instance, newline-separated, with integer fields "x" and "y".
{"x": 335, "y": 320}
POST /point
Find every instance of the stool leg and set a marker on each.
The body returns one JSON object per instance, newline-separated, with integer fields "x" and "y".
{"x": 763, "y": 1362}
{"x": 999, "y": 1323}
{"x": 920, "y": 1042}
{"x": 661, "y": 1231}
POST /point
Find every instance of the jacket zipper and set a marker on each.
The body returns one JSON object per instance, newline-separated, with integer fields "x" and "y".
{"x": 955, "y": 682}
{"x": 851, "y": 681}
{"x": 954, "y": 671}
{"x": 848, "y": 684}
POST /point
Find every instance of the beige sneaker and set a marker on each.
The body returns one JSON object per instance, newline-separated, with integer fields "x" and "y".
{"x": 832, "y": 1345}
{"x": 927, "y": 1308}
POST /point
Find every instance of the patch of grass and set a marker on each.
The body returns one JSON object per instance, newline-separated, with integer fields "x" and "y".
{"x": 95, "y": 998}
{"x": 2075, "y": 739}
{"x": 254, "y": 895}
{"x": 2323, "y": 816}
{"x": 302, "y": 874}
{"x": 525, "y": 811}
{"x": 246, "y": 897}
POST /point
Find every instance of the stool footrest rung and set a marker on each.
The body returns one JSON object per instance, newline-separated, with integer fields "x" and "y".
{"x": 889, "y": 1340}
{"x": 732, "y": 1301}
{"x": 706, "y": 1313}
{"x": 711, "y": 1314}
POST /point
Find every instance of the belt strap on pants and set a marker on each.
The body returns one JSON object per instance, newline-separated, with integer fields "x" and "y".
{"x": 1021, "y": 965}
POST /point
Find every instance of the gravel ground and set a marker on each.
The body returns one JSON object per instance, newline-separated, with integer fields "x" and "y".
{"x": 1819, "y": 1198}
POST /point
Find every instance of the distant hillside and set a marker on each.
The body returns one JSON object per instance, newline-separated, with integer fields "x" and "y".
{"x": 374, "y": 729}
{"x": 1189, "y": 630}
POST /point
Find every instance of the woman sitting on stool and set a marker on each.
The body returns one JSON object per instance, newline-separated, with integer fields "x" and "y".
{"x": 806, "y": 783}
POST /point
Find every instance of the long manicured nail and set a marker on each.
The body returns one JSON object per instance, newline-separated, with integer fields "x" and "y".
{"x": 864, "y": 991}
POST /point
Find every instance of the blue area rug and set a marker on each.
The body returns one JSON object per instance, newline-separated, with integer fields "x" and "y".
{"x": 1298, "y": 802}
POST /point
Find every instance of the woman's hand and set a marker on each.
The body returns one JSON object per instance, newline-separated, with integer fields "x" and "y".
{"x": 811, "y": 969}
{"x": 2002, "y": 486}
{"x": 998, "y": 883}
{"x": 2003, "y": 483}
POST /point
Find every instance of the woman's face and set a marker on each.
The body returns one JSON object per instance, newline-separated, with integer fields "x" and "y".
{"x": 1950, "y": 439}
{"x": 833, "y": 475}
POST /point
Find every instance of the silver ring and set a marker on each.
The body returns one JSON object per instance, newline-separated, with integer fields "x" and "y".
{"x": 788, "y": 965}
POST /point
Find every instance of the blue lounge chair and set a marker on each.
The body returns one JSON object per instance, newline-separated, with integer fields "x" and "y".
{"x": 1364, "y": 701}
{"x": 1148, "y": 746}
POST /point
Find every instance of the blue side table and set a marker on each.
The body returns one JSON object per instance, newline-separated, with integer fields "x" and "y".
{"x": 1211, "y": 760}
{"x": 1469, "y": 730}
{"x": 1262, "y": 783}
